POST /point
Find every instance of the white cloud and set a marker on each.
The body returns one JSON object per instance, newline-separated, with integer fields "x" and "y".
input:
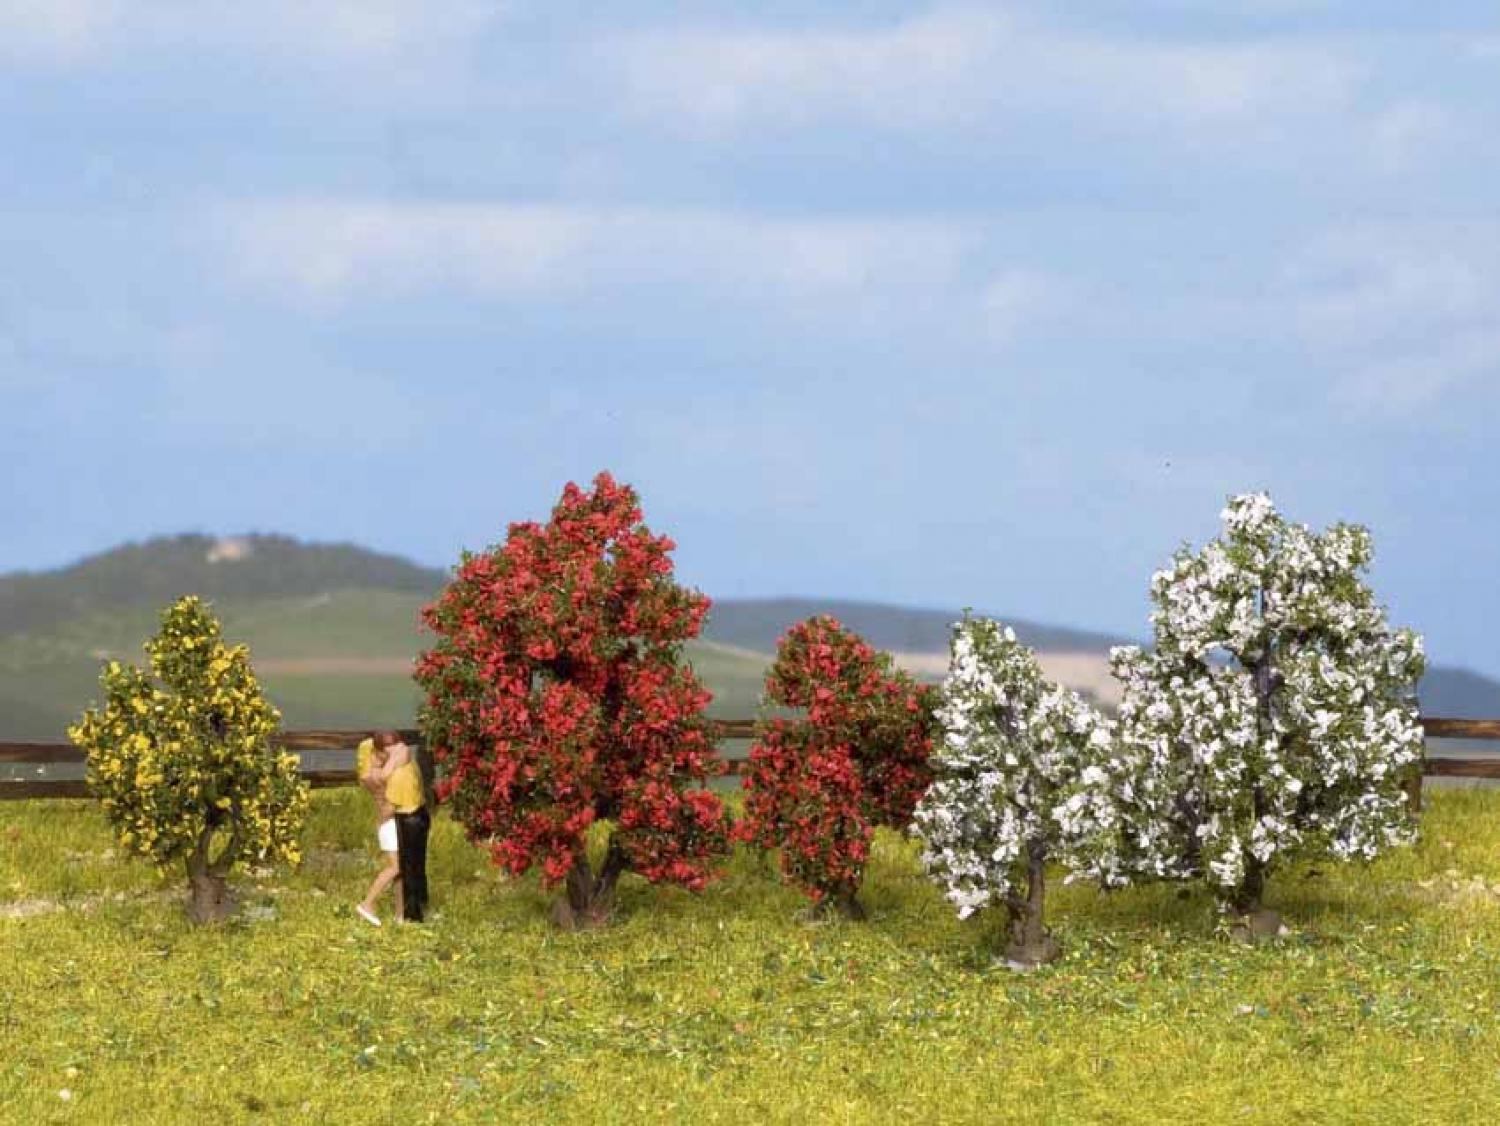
{"x": 1379, "y": 283}
{"x": 959, "y": 66}
{"x": 1403, "y": 313}
{"x": 1403, "y": 136}
{"x": 334, "y": 250}
{"x": 58, "y": 32}
{"x": 327, "y": 250}
{"x": 1396, "y": 386}
{"x": 1017, "y": 300}
{"x": 907, "y": 73}
{"x": 1485, "y": 48}
{"x": 1203, "y": 83}
{"x": 52, "y": 30}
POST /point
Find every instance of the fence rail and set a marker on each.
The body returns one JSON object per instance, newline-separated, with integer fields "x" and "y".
{"x": 43, "y": 754}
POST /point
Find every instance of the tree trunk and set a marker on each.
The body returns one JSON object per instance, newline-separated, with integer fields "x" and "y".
{"x": 1246, "y": 897}
{"x": 588, "y": 900}
{"x": 211, "y": 900}
{"x": 844, "y": 903}
{"x": 1031, "y": 944}
{"x": 1412, "y": 784}
{"x": 1250, "y": 921}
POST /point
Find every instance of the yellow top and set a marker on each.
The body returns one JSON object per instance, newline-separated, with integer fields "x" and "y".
{"x": 363, "y": 755}
{"x": 403, "y": 789}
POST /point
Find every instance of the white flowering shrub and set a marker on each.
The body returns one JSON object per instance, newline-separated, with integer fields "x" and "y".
{"x": 1014, "y": 785}
{"x": 1275, "y": 716}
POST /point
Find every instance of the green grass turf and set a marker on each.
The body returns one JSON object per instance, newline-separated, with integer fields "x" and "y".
{"x": 1383, "y": 1006}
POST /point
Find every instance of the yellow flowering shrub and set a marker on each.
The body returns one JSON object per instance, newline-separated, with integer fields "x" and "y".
{"x": 182, "y": 759}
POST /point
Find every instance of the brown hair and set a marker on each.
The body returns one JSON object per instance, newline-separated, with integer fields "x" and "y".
{"x": 384, "y": 740}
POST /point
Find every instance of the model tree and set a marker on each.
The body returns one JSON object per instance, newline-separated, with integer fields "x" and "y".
{"x": 557, "y": 698}
{"x": 818, "y": 786}
{"x": 1276, "y": 716}
{"x": 1010, "y": 791}
{"x": 183, "y": 763}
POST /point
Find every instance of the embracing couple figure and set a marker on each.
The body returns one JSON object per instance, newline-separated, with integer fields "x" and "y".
{"x": 388, "y": 770}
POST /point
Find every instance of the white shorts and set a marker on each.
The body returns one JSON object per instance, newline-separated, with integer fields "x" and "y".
{"x": 386, "y": 835}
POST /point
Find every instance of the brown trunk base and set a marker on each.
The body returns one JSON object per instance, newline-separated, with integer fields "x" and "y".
{"x": 1031, "y": 954}
{"x": 1258, "y": 925}
{"x": 846, "y": 906}
{"x": 1031, "y": 943}
{"x": 590, "y": 916}
{"x": 1412, "y": 784}
{"x": 588, "y": 900}
{"x": 211, "y": 901}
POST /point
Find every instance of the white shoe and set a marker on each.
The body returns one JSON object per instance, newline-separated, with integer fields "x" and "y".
{"x": 367, "y": 915}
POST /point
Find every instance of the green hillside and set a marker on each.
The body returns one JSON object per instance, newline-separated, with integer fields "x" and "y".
{"x": 150, "y": 574}
{"x": 333, "y": 629}
{"x": 758, "y": 623}
{"x": 339, "y": 659}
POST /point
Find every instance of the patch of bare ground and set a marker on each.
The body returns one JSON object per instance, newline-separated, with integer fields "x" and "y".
{"x": 30, "y": 908}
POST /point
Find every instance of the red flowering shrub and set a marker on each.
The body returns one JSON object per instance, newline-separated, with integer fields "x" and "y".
{"x": 817, "y": 787}
{"x": 556, "y": 697}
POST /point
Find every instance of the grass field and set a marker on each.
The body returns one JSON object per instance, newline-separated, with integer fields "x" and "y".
{"x": 731, "y": 1006}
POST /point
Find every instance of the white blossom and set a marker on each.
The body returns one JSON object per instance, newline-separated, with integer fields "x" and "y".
{"x": 1020, "y": 764}
{"x": 1276, "y": 713}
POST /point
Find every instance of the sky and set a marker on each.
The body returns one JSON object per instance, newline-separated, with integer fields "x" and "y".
{"x": 986, "y": 305}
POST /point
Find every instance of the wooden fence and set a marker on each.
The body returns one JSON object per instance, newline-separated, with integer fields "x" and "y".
{"x": 42, "y": 754}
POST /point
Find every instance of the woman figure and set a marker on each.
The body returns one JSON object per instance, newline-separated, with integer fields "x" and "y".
{"x": 369, "y": 759}
{"x": 403, "y": 789}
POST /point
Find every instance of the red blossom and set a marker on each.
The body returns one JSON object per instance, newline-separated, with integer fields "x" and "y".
{"x": 818, "y": 787}
{"x": 556, "y": 695}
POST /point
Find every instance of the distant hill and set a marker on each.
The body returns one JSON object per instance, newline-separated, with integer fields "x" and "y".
{"x": 157, "y": 571}
{"x": 757, "y": 623}
{"x": 341, "y": 659}
{"x": 333, "y": 627}
{"x": 1459, "y": 693}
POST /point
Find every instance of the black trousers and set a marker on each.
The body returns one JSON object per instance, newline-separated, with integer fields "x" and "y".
{"x": 411, "y": 854}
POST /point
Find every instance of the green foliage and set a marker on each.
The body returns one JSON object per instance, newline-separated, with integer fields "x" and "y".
{"x": 184, "y": 754}
{"x": 724, "y": 1008}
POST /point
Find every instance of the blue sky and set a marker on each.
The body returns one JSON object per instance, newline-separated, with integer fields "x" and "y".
{"x": 963, "y": 304}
